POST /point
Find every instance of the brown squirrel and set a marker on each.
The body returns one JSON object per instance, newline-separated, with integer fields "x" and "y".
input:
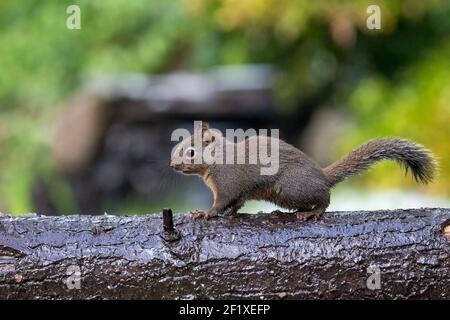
{"x": 299, "y": 184}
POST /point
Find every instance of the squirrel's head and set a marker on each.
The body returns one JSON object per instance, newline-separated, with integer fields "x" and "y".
{"x": 187, "y": 156}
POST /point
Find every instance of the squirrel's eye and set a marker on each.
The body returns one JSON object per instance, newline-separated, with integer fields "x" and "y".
{"x": 190, "y": 152}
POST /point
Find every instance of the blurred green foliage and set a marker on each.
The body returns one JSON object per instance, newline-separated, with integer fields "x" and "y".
{"x": 393, "y": 82}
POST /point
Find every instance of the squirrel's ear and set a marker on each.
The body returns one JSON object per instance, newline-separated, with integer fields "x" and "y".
{"x": 205, "y": 126}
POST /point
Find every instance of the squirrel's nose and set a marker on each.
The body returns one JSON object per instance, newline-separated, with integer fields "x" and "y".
{"x": 172, "y": 164}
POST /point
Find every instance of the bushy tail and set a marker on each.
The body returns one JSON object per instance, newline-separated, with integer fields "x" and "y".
{"x": 409, "y": 155}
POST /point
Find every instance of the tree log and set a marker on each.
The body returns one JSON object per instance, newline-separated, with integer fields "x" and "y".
{"x": 396, "y": 254}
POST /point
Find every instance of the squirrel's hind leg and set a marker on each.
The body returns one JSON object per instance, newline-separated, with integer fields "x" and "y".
{"x": 307, "y": 215}
{"x": 234, "y": 207}
{"x": 308, "y": 195}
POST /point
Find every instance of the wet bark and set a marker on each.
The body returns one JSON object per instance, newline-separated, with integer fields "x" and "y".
{"x": 248, "y": 256}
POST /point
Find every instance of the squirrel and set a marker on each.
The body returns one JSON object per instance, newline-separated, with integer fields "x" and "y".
{"x": 299, "y": 184}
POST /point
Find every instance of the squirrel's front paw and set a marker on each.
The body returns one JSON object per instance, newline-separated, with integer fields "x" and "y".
{"x": 197, "y": 214}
